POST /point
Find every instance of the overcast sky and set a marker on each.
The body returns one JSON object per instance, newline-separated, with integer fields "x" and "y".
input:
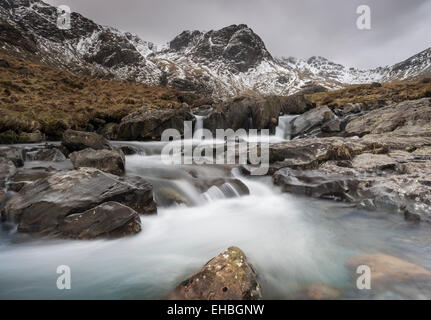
{"x": 301, "y": 28}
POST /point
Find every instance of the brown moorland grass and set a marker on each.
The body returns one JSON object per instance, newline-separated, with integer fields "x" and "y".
{"x": 37, "y": 97}
{"x": 370, "y": 93}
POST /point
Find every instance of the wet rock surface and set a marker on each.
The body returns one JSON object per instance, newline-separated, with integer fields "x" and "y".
{"x": 229, "y": 276}
{"x": 387, "y": 270}
{"x": 110, "y": 161}
{"x": 255, "y": 112}
{"x": 79, "y": 140}
{"x": 41, "y": 206}
{"x": 13, "y": 154}
{"x": 304, "y": 123}
{"x": 405, "y": 118}
{"x": 110, "y": 220}
{"x": 45, "y": 154}
{"x": 370, "y": 175}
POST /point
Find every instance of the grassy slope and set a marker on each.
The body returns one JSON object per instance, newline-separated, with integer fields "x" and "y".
{"x": 38, "y": 97}
{"x": 368, "y": 93}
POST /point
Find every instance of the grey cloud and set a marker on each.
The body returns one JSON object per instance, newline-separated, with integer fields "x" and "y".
{"x": 289, "y": 28}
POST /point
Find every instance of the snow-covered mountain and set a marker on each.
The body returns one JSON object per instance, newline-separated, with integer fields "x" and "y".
{"x": 219, "y": 63}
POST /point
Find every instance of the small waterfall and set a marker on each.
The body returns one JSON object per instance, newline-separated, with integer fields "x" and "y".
{"x": 285, "y": 127}
{"x": 199, "y": 126}
{"x": 224, "y": 191}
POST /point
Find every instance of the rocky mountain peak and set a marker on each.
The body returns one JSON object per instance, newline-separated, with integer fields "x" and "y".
{"x": 185, "y": 40}
{"x": 237, "y": 45}
{"x": 221, "y": 63}
{"x": 12, "y": 4}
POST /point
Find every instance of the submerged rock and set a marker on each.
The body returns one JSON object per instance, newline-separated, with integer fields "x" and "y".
{"x": 322, "y": 291}
{"x": 41, "y": 206}
{"x": 110, "y": 219}
{"x": 79, "y": 140}
{"x": 389, "y": 270}
{"x": 229, "y": 276}
{"x": 111, "y": 161}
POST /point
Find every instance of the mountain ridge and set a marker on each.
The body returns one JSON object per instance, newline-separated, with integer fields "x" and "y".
{"x": 218, "y": 63}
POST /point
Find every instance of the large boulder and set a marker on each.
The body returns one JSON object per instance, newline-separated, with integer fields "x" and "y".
{"x": 312, "y": 119}
{"x": 79, "y": 140}
{"x": 229, "y": 276}
{"x": 111, "y": 161}
{"x": 149, "y": 123}
{"x": 41, "y": 206}
{"x": 409, "y": 118}
{"x": 110, "y": 219}
{"x": 309, "y": 153}
{"x": 296, "y": 104}
{"x": 255, "y": 112}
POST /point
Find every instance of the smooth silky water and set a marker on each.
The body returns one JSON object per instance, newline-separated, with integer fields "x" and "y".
{"x": 292, "y": 242}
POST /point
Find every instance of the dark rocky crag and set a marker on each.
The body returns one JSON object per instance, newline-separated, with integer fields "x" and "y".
{"x": 236, "y": 45}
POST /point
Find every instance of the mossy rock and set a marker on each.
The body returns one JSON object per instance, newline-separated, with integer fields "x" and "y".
{"x": 229, "y": 276}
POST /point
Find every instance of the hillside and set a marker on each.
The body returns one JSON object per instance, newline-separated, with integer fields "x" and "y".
{"x": 37, "y": 97}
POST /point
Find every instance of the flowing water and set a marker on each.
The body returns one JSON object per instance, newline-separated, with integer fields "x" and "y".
{"x": 285, "y": 127}
{"x": 292, "y": 241}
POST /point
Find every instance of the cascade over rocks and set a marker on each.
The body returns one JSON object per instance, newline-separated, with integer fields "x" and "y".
{"x": 387, "y": 168}
{"x": 229, "y": 276}
{"x": 255, "y": 112}
{"x": 7, "y": 170}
